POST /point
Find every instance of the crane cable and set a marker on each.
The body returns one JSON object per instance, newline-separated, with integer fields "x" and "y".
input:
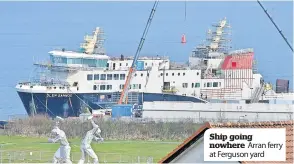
{"x": 280, "y": 31}
{"x": 183, "y": 39}
{"x": 185, "y": 10}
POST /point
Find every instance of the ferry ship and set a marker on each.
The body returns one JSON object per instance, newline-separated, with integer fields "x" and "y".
{"x": 73, "y": 81}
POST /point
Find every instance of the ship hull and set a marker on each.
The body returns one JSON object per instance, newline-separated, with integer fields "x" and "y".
{"x": 42, "y": 103}
{"x": 72, "y": 105}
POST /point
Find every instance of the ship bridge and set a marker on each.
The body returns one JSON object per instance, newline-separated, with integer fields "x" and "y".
{"x": 70, "y": 58}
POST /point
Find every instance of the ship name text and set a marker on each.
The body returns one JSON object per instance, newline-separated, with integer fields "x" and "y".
{"x": 58, "y": 95}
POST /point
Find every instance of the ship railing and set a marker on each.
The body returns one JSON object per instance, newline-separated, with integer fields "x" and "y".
{"x": 279, "y": 95}
{"x": 28, "y": 156}
{"x": 206, "y": 56}
{"x": 141, "y": 58}
{"x": 45, "y": 83}
{"x": 224, "y": 93}
{"x": 241, "y": 51}
{"x": 70, "y": 68}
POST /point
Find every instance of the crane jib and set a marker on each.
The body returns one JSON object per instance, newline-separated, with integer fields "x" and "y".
{"x": 132, "y": 68}
{"x": 280, "y": 31}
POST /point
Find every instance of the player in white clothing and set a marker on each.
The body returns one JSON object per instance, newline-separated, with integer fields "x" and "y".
{"x": 63, "y": 153}
{"x": 93, "y": 134}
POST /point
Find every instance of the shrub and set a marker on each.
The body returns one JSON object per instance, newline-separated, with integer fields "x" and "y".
{"x": 41, "y": 126}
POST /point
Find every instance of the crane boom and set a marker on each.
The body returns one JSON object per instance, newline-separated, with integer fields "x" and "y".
{"x": 280, "y": 31}
{"x": 133, "y": 67}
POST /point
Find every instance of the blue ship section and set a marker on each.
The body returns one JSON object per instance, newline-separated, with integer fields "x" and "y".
{"x": 140, "y": 65}
{"x": 223, "y": 101}
{"x": 2, "y": 124}
{"x": 121, "y": 110}
{"x": 51, "y": 104}
{"x": 281, "y": 101}
{"x": 72, "y": 105}
{"x": 64, "y": 105}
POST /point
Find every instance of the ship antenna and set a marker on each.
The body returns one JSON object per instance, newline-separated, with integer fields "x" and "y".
{"x": 280, "y": 31}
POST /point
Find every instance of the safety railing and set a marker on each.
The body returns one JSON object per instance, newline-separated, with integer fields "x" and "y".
{"x": 47, "y": 157}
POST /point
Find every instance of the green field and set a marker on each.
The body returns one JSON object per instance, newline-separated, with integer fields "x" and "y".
{"x": 17, "y": 149}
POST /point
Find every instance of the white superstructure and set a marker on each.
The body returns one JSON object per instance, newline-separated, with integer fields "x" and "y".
{"x": 214, "y": 73}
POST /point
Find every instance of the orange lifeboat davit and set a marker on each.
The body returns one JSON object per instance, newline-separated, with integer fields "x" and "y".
{"x": 183, "y": 39}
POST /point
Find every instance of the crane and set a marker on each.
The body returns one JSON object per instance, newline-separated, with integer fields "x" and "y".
{"x": 132, "y": 69}
{"x": 280, "y": 31}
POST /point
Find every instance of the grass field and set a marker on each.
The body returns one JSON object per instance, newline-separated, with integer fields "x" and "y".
{"x": 17, "y": 149}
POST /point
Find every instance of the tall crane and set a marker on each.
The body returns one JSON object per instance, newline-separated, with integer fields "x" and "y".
{"x": 132, "y": 69}
{"x": 280, "y": 31}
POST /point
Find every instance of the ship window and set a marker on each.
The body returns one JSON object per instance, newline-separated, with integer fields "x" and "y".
{"x": 93, "y": 63}
{"x": 185, "y": 85}
{"x": 179, "y": 74}
{"x": 96, "y": 76}
{"x": 122, "y": 76}
{"x": 109, "y": 87}
{"x": 135, "y": 86}
{"x": 147, "y": 74}
{"x": 161, "y": 74}
{"x": 109, "y": 76}
{"x": 197, "y": 85}
{"x": 102, "y": 87}
{"x": 166, "y": 74}
{"x": 197, "y": 73}
{"x": 94, "y": 87}
{"x": 192, "y": 85}
{"x": 183, "y": 74}
{"x": 116, "y": 76}
{"x": 135, "y": 75}
{"x": 139, "y": 86}
{"x": 102, "y": 77}
{"x": 214, "y": 84}
{"x": 130, "y": 86}
{"x": 141, "y": 74}
{"x": 121, "y": 86}
{"x": 205, "y": 62}
{"x": 204, "y": 85}
{"x": 89, "y": 77}
{"x": 127, "y": 64}
{"x": 119, "y": 64}
{"x": 209, "y": 84}
{"x": 234, "y": 64}
{"x": 219, "y": 84}
{"x": 173, "y": 74}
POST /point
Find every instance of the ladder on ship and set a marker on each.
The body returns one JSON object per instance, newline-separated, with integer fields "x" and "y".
{"x": 257, "y": 94}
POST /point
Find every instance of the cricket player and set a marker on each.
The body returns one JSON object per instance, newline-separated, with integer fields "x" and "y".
{"x": 86, "y": 142}
{"x": 63, "y": 153}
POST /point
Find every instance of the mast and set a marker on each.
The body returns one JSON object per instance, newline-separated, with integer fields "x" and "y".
{"x": 218, "y": 38}
{"x": 94, "y": 44}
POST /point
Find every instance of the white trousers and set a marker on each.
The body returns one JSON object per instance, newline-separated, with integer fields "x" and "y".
{"x": 88, "y": 150}
{"x": 62, "y": 154}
